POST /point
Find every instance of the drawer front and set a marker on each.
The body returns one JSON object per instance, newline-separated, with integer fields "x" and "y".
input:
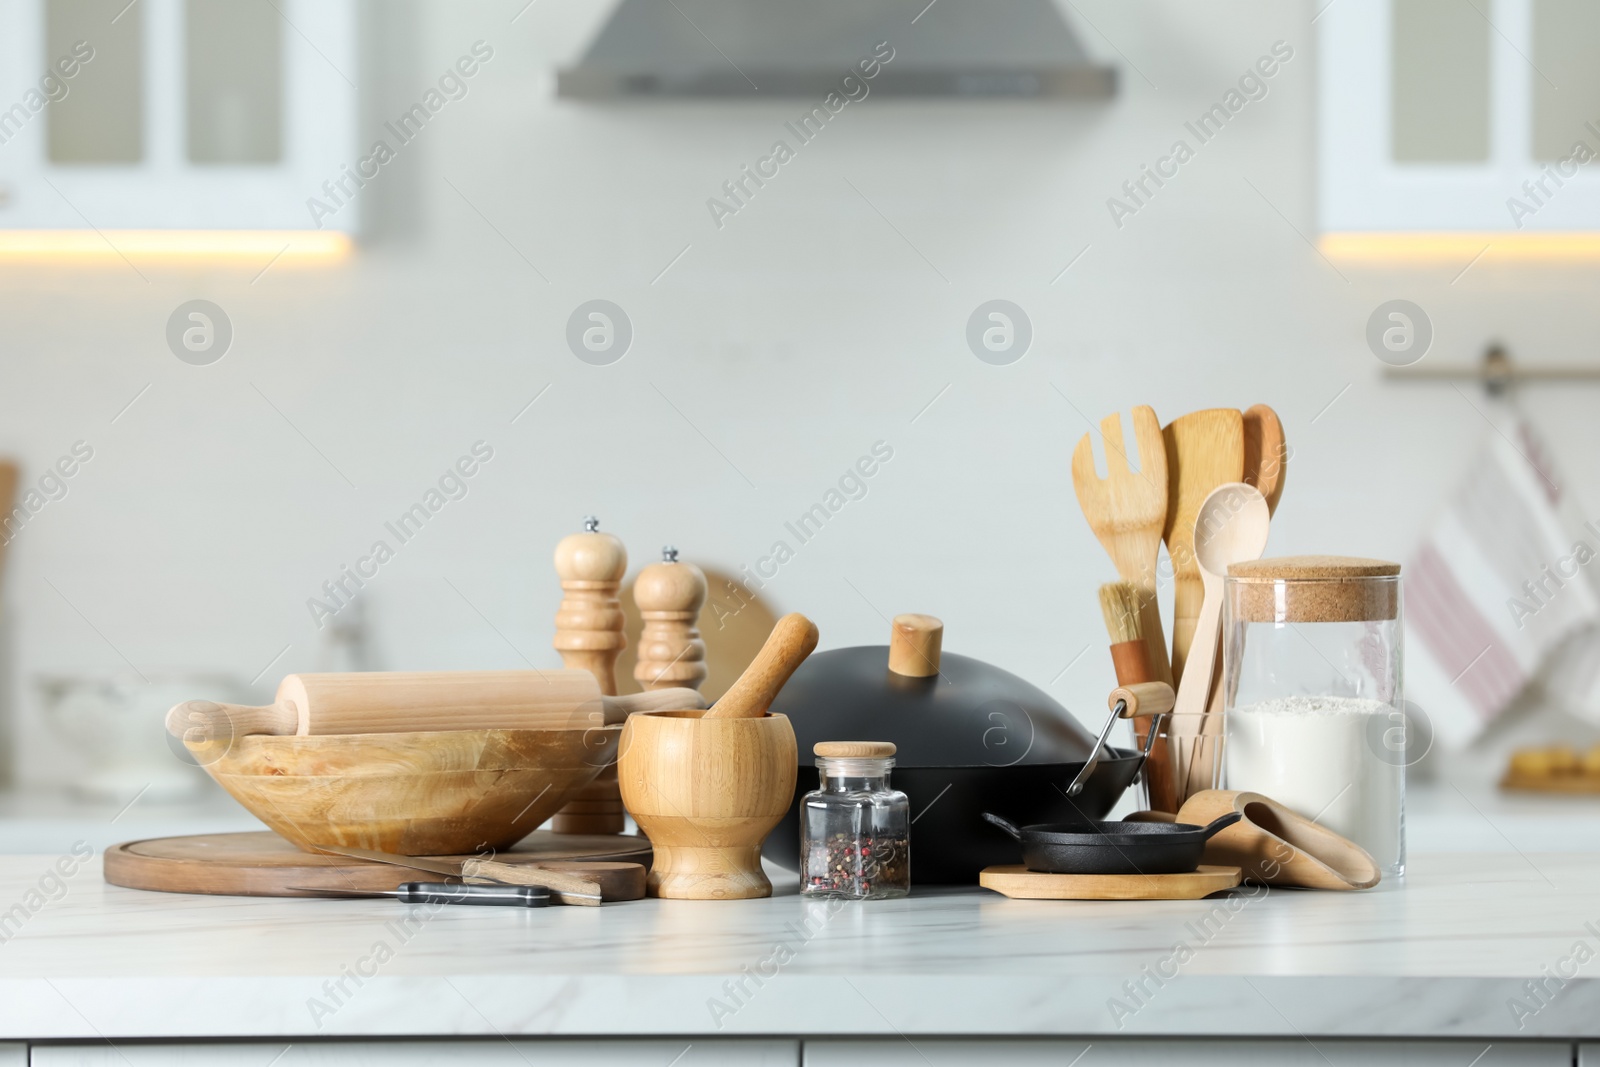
{"x": 1001, "y": 1052}
{"x": 495, "y": 1052}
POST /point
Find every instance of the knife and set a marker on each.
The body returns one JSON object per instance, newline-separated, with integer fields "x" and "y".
{"x": 507, "y": 896}
{"x": 565, "y": 888}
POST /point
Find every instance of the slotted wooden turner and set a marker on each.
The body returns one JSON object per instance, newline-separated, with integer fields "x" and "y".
{"x": 1205, "y": 449}
{"x": 1127, "y": 510}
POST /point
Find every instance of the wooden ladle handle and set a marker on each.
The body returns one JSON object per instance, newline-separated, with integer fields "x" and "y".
{"x": 199, "y": 721}
{"x": 791, "y": 641}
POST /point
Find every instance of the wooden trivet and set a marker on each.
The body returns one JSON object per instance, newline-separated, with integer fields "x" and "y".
{"x": 1022, "y": 884}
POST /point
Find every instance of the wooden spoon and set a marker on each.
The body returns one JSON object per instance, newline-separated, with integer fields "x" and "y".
{"x": 1127, "y": 510}
{"x": 1231, "y": 527}
{"x": 1204, "y": 449}
{"x": 791, "y": 641}
{"x": 1266, "y": 455}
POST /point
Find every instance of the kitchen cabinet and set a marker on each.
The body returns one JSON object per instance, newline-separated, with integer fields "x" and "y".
{"x": 175, "y": 114}
{"x": 13, "y": 1055}
{"x": 1445, "y": 115}
{"x": 425, "y": 1053}
{"x": 1190, "y": 1052}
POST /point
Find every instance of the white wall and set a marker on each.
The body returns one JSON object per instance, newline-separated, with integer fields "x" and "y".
{"x": 793, "y": 338}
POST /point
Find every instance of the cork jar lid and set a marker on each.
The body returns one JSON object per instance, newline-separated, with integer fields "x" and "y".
{"x": 1314, "y": 589}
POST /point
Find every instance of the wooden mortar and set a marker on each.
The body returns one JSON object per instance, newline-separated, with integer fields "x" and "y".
{"x": 708, "y": 786}
{"x": 707, "y": 791}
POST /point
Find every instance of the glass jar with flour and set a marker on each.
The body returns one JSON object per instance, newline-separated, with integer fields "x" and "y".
{"x": 1312, "y": 686}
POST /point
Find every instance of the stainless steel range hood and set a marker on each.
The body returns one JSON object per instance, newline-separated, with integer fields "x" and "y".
{"x": 760, "y": 49}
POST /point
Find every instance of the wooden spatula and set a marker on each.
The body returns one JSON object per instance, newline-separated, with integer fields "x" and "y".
{"x": 1204, "y": 449}
{"x": 1266, "y": 455}
{"x": 1127, "y": 510}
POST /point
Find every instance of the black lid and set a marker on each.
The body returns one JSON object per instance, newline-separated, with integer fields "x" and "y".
{"x": 970, "y": 714}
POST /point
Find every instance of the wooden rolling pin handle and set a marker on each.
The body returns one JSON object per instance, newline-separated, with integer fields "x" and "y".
{"x": 791, "y": 641}
{"x": 1142, "y": 698}
{"x": 617, "y": 709}
{"x": 200, "y": 721}
{"x": 582, "y": 890}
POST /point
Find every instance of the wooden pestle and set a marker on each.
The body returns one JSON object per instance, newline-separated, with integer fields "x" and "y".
{"x": 791, "y": 641}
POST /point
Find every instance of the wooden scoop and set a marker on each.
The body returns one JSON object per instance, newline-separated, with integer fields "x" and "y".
{"x": 1278, "y": 846}
{"x": 383, "y": 702}
{"x": 791, "y": 641}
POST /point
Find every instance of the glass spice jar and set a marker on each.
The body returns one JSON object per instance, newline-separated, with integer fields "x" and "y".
{"x": 855, "y": 832}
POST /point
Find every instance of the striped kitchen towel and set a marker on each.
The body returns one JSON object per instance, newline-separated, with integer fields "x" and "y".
{"x": 1500, "y": 592}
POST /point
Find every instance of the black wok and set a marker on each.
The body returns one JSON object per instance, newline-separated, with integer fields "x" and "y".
{"x": 1114, "y": 847}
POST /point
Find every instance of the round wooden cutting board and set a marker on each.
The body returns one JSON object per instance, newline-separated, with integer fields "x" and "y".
{"x": 262, "y": 864}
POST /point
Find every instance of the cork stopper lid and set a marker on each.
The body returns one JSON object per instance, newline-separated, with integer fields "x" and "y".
{"x": 591, "y": 556}
{"x": 1314, "y": 589}
{"x": 853, "y": 749}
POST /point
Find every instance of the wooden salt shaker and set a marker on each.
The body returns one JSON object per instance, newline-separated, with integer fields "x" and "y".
{"x": 670, "y": 595}
{"x": 589, "y": 636}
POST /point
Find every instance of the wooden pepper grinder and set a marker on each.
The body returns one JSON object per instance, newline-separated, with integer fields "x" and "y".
{"x": 589, "y": 636}
{"x": 670, "y": 595}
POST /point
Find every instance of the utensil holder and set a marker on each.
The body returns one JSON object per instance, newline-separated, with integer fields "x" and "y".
{"x": 1187, "y": 757}
{"x": 707, "y": 792}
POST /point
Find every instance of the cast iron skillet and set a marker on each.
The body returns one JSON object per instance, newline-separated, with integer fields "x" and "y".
{"x": 1114, "y": 847}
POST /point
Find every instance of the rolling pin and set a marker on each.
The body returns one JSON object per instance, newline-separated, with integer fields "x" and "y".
{"x": 790, "y": 642}
{"x": 383, "y": 702}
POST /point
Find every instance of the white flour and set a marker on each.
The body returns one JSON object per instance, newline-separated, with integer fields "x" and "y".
{"x": 1320, "y": 756}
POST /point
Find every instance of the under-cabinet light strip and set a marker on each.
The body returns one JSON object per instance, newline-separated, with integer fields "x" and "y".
{"x": 41, "y": 245}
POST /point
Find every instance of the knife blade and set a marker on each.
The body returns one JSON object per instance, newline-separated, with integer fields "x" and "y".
{"x": 506, "y": 896}
{"x": 566, "y": 888}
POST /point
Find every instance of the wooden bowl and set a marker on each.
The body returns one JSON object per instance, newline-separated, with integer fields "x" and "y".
{"x": 444, "y": 793}
{"x": 707, "y": 792}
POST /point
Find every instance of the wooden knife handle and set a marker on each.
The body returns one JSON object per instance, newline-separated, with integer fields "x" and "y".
{"x": 201, "y": 721}
{"x": 791, "y": 641}
{"x": 559, "y": 882}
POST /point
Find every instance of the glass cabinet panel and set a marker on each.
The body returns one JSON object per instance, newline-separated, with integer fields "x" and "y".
{"x": 1566, "y": 34}
{"x": 1439, "y": 70}
{"x": 101, "y": 117}
{"x": 234, "y": 62}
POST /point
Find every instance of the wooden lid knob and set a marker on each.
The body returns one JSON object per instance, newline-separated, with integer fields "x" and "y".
{"x": 853, "y": 749}
{"x": 591, "y": 556}
{"x": 670, "y": 585}
{"x": 914, "y": 645}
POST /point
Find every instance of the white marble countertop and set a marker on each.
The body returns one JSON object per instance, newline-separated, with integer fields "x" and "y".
{"x": 1440, "y": 955}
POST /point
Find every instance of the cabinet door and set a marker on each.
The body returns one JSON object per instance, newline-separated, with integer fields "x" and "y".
{"x": 175, "y": 114}
{"x": 1112, "y": 1052}
{"x": 1477, "y": 116}
{"x": 495, "y": 1052}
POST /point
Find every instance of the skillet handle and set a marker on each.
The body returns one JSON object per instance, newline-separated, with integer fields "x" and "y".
{"x": 1221, "y": 823}
{"x": 1005, "y": 824}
